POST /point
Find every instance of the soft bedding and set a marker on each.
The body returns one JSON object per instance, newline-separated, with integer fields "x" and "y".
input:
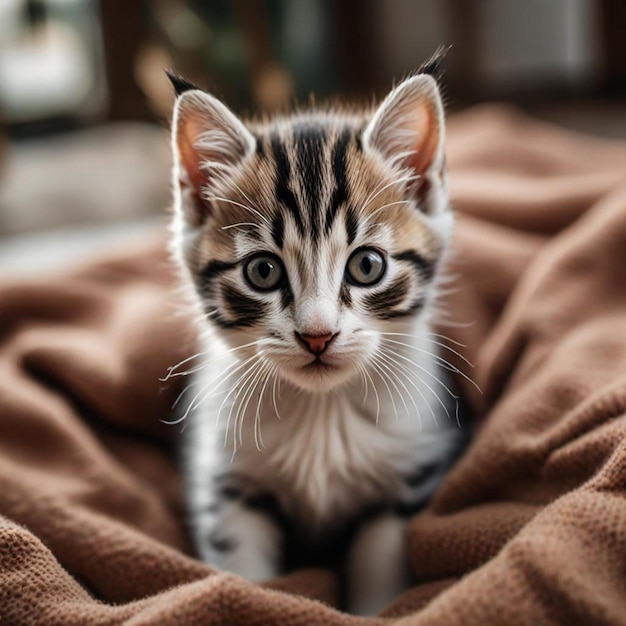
{"x": 528, "y": 528}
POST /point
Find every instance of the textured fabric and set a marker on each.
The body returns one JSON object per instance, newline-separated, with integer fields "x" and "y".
{"x": 528, "y": 528}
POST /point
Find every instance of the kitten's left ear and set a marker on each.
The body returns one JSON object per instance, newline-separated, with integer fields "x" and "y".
{"x": 408, "y": 127}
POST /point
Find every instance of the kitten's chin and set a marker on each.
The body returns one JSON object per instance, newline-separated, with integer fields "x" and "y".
{"x": 319, "y": 377}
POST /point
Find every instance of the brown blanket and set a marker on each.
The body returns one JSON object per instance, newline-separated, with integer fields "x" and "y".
{"x": 529, "y": 528}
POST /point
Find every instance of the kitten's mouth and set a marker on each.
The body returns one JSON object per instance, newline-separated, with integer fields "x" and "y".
{"x": 322, "y": 373}
{"x": 320, "y": 366}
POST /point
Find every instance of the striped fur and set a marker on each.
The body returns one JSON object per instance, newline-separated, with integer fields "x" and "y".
{"x": 304, "y": 451}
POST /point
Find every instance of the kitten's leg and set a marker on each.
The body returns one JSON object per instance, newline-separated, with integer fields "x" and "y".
{"x": 228, "y": 533}
{"x": 378, "y": 567}
{"x": 234, "y": 537}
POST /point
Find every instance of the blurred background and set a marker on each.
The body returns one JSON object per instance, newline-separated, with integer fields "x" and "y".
{"x": 84, "y": 103}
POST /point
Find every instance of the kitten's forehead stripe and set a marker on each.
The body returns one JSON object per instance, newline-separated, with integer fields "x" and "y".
{"x": 340, "y": 194}
{"x": 283, "y": 177}
{"x": 278, "y": 228}
{"x": 309, "y": 141}
{"x": 352, "y": 224}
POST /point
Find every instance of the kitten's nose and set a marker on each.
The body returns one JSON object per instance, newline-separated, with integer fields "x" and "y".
{"x": 316, "y": 344}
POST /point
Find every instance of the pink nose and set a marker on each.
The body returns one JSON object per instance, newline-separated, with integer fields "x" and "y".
{"x": 316, "y": 343}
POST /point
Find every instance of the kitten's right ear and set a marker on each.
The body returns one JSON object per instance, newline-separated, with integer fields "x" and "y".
{"x": 407, "y": 130}
{"x": 208, "y": 142}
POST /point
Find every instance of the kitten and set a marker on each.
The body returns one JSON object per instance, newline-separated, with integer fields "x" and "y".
{"x": 321, "y": 420}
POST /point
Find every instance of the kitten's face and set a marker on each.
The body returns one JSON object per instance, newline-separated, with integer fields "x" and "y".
{"x": 309, "y": 236}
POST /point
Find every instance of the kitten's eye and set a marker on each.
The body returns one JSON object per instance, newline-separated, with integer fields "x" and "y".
{"x": 264, "y": 272}
{"x": 366, "y": 267}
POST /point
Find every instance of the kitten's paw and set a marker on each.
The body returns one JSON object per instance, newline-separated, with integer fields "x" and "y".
{"x": 242, "y": 541}
{"x": 378, "y": 566}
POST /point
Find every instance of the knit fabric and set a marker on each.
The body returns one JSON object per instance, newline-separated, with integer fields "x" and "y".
{"x": 528, "y": 528}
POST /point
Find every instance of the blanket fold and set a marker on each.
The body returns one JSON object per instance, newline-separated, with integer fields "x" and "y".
{"x": 528, "y": 528}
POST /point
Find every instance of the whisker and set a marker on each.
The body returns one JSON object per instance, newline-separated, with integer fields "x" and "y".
{"x": 194, "y": 402}
{"x": 396, "y": 181}
{"x": 376, "y": 188}
{"x": 257, "y": 419}
{"x": 172, "y": 370}
{"x": 392, "y": 374}
{"x": 235, "y": 387}
{"x": 241, "y": 388}
{"x": 251, "y": 389}
{"x": 438, "y": 343}
{"x": 456, "y": 343}
{"x": 216, "y": 382}
{"x": 443, "y": 362}
{"x": 275, "y": 372}
{"x": 245, "y": 400}
{"x": 243, "y": 206}
{"x": 239, "y": 224}
{"x": 380, "y": 375}
{"x": 241, "y": 191}
{"x": 420, "y": 336}
{"x": 389, "y": 204}
{"x": 407, "y": 371}
{"x": 366, "y": 373}
{"x": 182, "y": 393}
{"x": 174, "y": 367}
{"x": 189, "y": 372}
{"x": 423, "y": 369}
{"x": 359, "y": 366}
{"x": 438, "y": 358}
{"x": 452, "y": 324}
{"x": 398, "y": 369}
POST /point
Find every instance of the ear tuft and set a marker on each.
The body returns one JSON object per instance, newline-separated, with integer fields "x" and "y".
{"x": 433, "y": 66}
{"x": 180, "y": 84}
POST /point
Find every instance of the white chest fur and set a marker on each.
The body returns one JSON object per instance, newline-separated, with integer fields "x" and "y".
{"x": 323, "y": 456}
